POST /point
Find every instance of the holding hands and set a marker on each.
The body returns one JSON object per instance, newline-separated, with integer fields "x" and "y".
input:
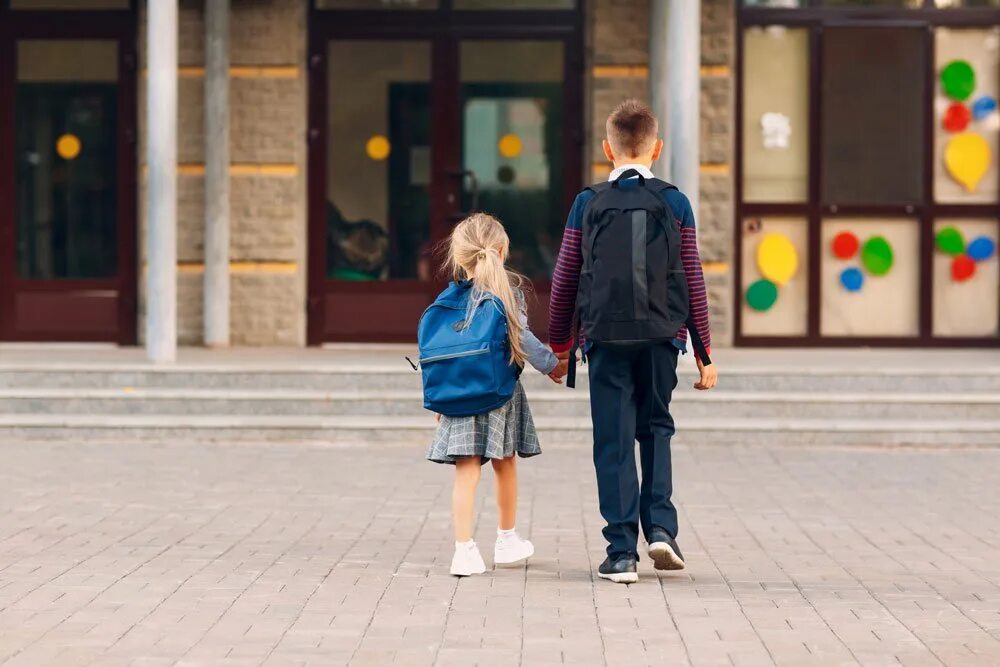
{"x": 562, "y": 368}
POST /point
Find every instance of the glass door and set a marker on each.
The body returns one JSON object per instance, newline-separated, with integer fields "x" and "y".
{"x": 68, "y": 269}
{"x": 409, "y": 136}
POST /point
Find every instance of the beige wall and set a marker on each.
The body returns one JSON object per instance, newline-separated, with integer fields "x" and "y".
{"x": 268, "y": 154}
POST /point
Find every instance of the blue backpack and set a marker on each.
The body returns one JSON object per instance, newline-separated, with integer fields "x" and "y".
{"x": 466, "y": 370}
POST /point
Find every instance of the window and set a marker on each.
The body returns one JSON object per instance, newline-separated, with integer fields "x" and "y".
{"x": 776, "y": 114}
{"x": 965, "y": 116}
{"x": 65, "y": 125}
{"x": 873, "y": 93}
{"x": 870, "y": 193}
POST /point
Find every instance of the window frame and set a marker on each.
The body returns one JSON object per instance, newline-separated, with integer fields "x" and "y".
{"x": 814, "y": 18}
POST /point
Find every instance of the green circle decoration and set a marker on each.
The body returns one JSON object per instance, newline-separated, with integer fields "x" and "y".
{"x": 958, "y": 80}
{"x": 762, "y": 294}
{"x": 876, "y": 256}
{"x": 949, "y": 241}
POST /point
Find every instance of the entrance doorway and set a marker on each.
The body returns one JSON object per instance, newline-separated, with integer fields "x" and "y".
{"x": 418, "y": 118}
{"x": 67, "y": 174}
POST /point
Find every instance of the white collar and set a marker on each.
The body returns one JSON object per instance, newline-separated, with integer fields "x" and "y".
{"x": 642, "y": 169}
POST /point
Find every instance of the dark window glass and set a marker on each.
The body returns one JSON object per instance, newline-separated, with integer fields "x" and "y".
{"x": 66, "y": 161}
{"x": 873, "y": 99}
{"x": 873, "y": 3}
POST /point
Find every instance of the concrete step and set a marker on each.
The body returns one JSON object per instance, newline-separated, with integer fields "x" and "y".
{"x": 417, "y": 431}
{"x": 554, "y": 402}
{"x": 385, "y": 377}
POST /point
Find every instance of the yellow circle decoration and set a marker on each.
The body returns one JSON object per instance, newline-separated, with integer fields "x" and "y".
{"x": 378, "y": 147}
{"x": 967, "y": 158}
{"x": 68, "y": 146}
{"x": 777, "y": 259}
{"x": 510, "y": 145}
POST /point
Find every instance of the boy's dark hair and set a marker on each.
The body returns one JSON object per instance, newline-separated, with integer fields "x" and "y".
{"x": 631, "y": 128}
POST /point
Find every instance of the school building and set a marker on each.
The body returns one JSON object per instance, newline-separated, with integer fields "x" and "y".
{"x": 847, "y": 160}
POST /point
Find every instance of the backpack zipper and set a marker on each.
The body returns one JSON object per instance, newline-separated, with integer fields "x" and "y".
{"x": 453, "y": 355}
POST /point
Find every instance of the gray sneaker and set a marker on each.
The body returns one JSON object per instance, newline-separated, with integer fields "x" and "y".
{"x": 663, "y": 550}
{"x": 620, "y": 571}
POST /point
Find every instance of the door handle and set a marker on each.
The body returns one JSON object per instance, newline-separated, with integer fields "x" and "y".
{"x": 461, "y": 175}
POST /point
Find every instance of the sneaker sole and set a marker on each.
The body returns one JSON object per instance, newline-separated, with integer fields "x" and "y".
{"x": 500, "y": 561}
{"x": 621, "y": 577}
{"x": 664, "y": 557}
{"x": 467, "y": 574}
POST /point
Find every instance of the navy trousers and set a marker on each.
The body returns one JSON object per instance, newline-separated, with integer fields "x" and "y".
{"x": 629, "y": 400}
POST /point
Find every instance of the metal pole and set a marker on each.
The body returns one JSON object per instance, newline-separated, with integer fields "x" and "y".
{"x": 161, "y": 201}
{"x": 684, "y": 90}
{"x": 216, "y": 301}
{"x": 659, "y": 81}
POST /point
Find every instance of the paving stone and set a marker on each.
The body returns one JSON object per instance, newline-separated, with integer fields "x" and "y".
{"x": 300, "y": 555}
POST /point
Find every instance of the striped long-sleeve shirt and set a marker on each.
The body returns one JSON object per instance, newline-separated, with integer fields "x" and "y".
{"x": 566, "y": 279}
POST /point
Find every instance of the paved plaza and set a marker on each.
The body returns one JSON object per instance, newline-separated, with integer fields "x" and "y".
{"x": 133, "y": 554}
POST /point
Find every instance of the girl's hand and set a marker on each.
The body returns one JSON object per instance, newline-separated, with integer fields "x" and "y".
{"x": 437, "y": 418}
{"x": 559, "y": 372}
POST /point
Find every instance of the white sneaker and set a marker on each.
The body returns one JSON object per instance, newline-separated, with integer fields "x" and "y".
{"x": 467, "y": 560}
{"x": 511, "y": 548}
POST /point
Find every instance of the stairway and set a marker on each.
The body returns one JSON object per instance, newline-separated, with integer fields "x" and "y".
{"x": 369, "y": 396}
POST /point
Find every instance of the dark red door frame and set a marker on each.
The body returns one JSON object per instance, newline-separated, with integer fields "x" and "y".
{"x": 814, "y": 17}
{"x": 444, "y": 29}
{"x": 116, "y": 25}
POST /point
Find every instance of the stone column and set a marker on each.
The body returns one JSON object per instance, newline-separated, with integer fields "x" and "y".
{"x": 216, "y": 301}
{"x": 675, "y": 57}
{"x": 161, "y": 199}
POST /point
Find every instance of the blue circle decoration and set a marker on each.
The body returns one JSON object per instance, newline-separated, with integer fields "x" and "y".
{"x": 983, "y": 107}
{"x": 980, "y": 248}
{"x": 852, "y": 279}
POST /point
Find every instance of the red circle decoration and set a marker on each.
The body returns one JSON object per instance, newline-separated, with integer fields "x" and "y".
{"x": 845, "y": 245}
{"x": 956, "y": 117}
{"x": 962, "y": 268}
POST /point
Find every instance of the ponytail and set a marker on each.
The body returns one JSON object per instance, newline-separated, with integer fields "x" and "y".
{"x": 475, "y": 254}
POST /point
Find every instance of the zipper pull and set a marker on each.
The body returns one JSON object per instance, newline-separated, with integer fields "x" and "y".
{"x": 412, "y": 365}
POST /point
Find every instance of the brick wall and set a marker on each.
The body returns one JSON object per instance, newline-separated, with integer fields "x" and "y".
{"x": 618, "y": 45}
{"x": 267, "y": 152}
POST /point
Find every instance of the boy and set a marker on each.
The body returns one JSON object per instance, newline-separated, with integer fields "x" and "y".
{"x": 634, "y": 317}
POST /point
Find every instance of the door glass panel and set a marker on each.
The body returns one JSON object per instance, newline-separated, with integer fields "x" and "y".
{"x": 770, "y": 308}
{"x": 513, "y": 144}
{"x": 873, "y": 115}
{"x": 873, "y": 3}
{"x": 379, "y": 160}
{"x": 376, "y": 4}
{"x": 69, "y": 4}
{"x": 515, "y": 4}
{"x": 966, "y": 277}
{"x": 869, "y": 277}
{"x": 776, "y": 114}
{"x": 66, "y": 159}
{"x": 965, "y": 115}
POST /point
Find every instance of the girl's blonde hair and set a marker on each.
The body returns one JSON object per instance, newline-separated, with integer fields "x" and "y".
{"x": 476, "y": 252}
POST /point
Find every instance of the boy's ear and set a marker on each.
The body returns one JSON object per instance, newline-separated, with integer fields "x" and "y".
{"x": 657, "y": 149}
{"x": 607, "y": 150}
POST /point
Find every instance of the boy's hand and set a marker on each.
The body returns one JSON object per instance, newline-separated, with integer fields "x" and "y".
{"x": 709, "y": 375}
{"x": 559, "y": 372}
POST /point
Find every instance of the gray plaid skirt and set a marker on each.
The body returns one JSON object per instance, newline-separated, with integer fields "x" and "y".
{"x": 498, "y": 434}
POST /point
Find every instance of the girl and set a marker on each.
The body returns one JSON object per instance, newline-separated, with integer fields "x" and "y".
{"x": 477, "y": 251}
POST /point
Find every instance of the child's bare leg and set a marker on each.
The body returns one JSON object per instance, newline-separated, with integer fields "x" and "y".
{"x": 506, "y": 473}
{"x": 463, "y": 496}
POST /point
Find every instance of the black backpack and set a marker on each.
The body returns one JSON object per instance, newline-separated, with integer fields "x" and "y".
{"x": 633, "y": 290}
